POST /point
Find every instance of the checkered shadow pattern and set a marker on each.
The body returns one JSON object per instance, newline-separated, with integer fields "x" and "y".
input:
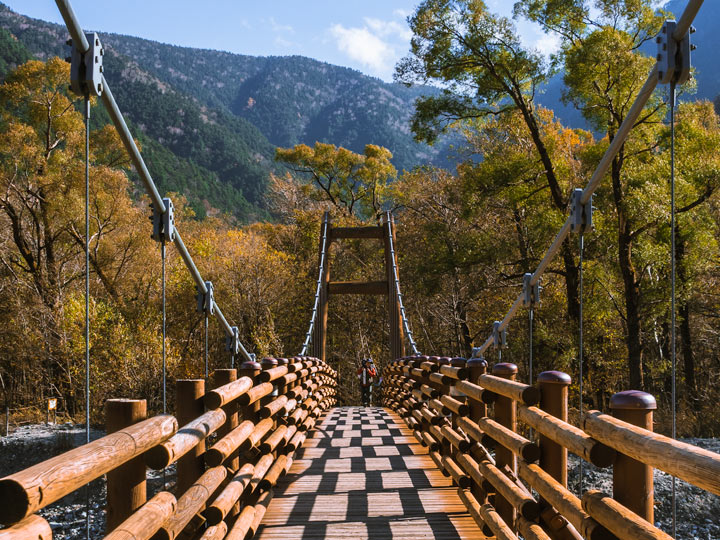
{"x": 361, "y": 474}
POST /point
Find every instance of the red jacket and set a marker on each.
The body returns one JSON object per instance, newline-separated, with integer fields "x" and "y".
{"x": 366, "y": 377}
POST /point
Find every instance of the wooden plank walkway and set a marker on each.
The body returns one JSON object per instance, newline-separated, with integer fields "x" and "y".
{"x": 362, "y": 475}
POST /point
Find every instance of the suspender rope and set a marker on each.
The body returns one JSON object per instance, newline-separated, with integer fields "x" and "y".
{"x": 580, "y": 350}
{"x": 530, "y": 339}
{"x": 673, "y": 351}
{"x": 87, "y": 300}
{"x": 206, "y": 346}
{"x": 163, "y": 256}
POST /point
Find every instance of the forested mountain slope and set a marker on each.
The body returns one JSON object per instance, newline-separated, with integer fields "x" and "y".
{"x": 211, "y": 119}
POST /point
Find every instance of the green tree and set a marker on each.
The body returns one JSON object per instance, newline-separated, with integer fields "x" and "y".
{"x": 485, "y": 71}
{"x": 356, "y": 184}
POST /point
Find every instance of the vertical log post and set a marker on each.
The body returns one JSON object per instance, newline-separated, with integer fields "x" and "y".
{"x": 320, "y": 328}
{"x": 126, "y": 486}
{"x": 188, "y": 406}
{"x": 633, "y": 480}
{"x": 282, "y": 389}
{"x": 554, "y": 400}
{"x": 220, "y": 378}
{"x": 477, "y": 367}
{"x": 506, "y": 415}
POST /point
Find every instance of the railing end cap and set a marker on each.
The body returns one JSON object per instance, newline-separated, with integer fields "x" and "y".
{"x": 633, "y": 399}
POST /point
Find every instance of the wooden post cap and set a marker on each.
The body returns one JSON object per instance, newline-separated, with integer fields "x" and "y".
{"x": 250, "y": 364}
{"x": 268, "y": 363}
{"x": 476, "y": 362}
{"x": 282, "y": 361}
{"x": 504, "y": 369}
{"x": 554, "y": 377}
{"x": 458, "y": 362}
{"x": 633, "y": 400}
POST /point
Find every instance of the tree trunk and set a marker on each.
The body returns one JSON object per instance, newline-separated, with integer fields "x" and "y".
{"x": 630, "y": 280}
{"x": 684, "y": 316}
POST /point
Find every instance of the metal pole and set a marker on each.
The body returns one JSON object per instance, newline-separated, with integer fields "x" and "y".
{"x": 206, "y": 346}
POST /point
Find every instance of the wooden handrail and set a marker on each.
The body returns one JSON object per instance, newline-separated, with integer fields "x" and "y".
{"x": 567, "y": 435}
{"x": 690, "y": 463}
{"x": 619, "y": 520}
{"x": 25, "y": 492}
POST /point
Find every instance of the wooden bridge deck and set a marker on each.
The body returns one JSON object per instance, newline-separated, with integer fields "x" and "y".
{"x": 362, "y": 475}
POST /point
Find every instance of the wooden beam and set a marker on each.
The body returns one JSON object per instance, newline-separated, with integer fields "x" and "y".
{"x": 358, "y": 287}
{"x": 337, "y": 233}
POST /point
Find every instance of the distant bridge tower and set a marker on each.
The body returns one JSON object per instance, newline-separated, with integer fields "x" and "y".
{"x": 388, "y": 287}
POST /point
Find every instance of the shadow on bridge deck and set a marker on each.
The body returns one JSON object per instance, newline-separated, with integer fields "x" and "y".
{"x": 362, "y": 475}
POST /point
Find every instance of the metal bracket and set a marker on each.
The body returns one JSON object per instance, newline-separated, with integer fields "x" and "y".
{"x": 86, "y": 70}
{"x": 581, "y": 215}
{"x": 673, "y": 57}
{"x": 531, "y": 293}
{"x": 206, "y": 301}
{"x": 163, "y": 224}
{"x": 232, "y": 342}
{"x": 499, "y": 336}
{"x": 476, "y": 352}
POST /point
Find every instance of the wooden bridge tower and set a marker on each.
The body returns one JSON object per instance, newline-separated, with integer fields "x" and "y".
{"x": 388, "y": 286}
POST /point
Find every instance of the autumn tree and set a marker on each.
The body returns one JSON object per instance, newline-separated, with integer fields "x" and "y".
{"x": 355, "y": 184}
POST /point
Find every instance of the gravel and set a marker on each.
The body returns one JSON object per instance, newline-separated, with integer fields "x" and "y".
{"x": 698, "y": 512}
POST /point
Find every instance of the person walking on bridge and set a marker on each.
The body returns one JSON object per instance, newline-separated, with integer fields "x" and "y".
{"x": 365, "y": 374}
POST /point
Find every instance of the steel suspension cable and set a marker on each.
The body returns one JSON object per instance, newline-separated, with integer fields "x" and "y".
{"x": 396, "y": 278}
{"x": 673, "y": 350}
{"x": 87, "y": 301}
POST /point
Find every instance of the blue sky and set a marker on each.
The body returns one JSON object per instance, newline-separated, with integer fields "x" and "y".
{"x": 367, "y": 35}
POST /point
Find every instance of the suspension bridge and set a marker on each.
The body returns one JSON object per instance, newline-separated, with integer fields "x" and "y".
{"x": 459, "y": 449}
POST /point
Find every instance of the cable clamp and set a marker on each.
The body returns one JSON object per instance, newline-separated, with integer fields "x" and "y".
{"x": 163, "y": 224}
{"x": 673, "y": 57}
{"x": 531, "y": 293}
{"x": 499, "y": 337}
{"x": 581, "y": 215}
{"x": 86, "y": 69}
{"x": 206, "y": 301}
{"x": 232, "y": 342}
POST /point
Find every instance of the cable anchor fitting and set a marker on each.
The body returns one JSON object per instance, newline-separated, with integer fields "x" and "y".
{"x": 581, "y": 215}
{"x": 163, "y": 224}
{"x": 86, "y": 69}
{"x": 531, "y": 293}
{"x": 206, "y": 301}
{"x": 673, "y": 57}
{"x": 499, "y": 337}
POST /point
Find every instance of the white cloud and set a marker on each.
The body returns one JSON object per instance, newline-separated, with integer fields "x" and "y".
{"x": 388, "y": 28}
{"x": 547, "y": 44}
{"x": 280, "y": 28}
{"x": 363, "y": 46}
{"x": 403, "y": 13}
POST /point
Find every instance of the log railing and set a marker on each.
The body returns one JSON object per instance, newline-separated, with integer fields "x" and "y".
{"x": 231, "y": 445}
{"x": 505, "y": 444}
